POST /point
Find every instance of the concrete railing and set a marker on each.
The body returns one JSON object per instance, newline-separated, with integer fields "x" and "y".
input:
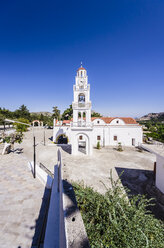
{"x": 82, "y": 124}
{"x": 81, "y": 105}
{"x": 157, "y": 143}
{"x": 55, "y": 231}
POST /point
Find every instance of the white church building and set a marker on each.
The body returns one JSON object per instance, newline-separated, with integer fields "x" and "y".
{"x": 83, "y": 132}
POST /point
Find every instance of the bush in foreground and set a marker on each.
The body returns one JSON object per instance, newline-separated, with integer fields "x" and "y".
{"x": 113, "y": 221}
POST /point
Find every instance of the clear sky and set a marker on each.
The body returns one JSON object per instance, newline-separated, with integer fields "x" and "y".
{"x": 120, "y": 42}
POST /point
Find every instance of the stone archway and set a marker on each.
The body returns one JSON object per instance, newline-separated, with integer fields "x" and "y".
{"x": 39, "y": 123}
{"x": 82, "y": 143}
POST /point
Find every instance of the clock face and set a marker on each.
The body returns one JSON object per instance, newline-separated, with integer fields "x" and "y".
{"x": 81, "y": 83}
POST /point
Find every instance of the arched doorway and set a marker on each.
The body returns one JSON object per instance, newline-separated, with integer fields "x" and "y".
{"x": 83, "y": 143}
{"x": 37, "y": 123}
{"x": 62, "y": 139}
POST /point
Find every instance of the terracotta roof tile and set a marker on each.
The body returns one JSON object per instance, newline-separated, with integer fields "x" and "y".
{"x": 66, "y": 121}
{"x": 81, "y": 68}
{"x": 107, "y": 120}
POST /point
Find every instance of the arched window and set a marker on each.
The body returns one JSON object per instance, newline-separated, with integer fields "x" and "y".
{"x": 81, "y": 98}
{"x": 81, "y": 73}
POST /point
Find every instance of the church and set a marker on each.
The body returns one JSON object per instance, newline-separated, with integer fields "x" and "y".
{"x": 83, "y": 132}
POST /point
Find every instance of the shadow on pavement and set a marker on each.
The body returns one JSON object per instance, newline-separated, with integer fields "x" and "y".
{"x": 67, "y": 148}
{"x": 40, "y": 226}
{"x": 51, "y": 138}
{"x": 18, "y": 150}
{"x": 143, "y": 182}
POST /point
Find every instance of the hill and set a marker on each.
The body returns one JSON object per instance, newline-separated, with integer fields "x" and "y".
{"x": 43, "y": 113}
{"x": 153, "y": 116}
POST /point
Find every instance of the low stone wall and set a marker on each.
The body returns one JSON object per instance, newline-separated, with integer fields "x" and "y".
{"x": 41, "y": 175}
{"x": 159, "y": 181}
{"x": 160, "y": 173}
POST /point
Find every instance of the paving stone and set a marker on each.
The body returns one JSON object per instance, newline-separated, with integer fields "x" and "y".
{"x": 20, "y": 202}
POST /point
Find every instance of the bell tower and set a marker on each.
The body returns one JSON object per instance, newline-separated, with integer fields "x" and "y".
{"x": 81, "y": 104}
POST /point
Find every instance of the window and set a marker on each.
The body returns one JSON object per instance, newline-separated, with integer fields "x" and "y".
{"x": 81, "y": 73}
{"x": 115, "y": 137}
{"x": 80, "y": 137}
{"x": 98, "y": 137}
{"x": 117, "y": 121}
{"x": 98, "y": 122}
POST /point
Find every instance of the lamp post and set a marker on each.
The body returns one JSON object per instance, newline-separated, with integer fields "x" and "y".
{"x": 44, "y": 138}
{"x": 34, "y": 159}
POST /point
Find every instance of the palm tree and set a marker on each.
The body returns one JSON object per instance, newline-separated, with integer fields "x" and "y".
{"x": 56, "y": 113}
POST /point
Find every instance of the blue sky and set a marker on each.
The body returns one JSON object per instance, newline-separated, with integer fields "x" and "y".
{"x": 121, "y": 44}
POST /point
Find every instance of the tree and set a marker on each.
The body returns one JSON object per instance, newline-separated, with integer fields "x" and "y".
{"x": 22, "y": 112}
{"x": 6, "y": 113}
{"x": 68, "y": 113}
{"x": 16, "y": 137}
{"x": 95, "y": 114}
{"x": 56, "y": 113}
{"x": 20, "y": 128}
{"x": 2, "y": 120}
{"x": 41, "y": 117}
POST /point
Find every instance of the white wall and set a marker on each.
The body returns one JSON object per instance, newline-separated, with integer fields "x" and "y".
{"x": 41, "y": 175}
{"x": 160, "y": 173}
{"x": 98, "y": 131}
{"x": 125, "y": 134}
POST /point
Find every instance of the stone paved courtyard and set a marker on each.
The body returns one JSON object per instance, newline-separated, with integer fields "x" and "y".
{"x": 91, "y": 170}
{"x": 20, "y": 202}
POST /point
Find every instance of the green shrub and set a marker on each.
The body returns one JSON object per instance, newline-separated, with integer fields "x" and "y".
{"x": 13, "y": 138}
{"x": 119, "y": 148}
{"x": 98, "y": 145}
{"x": 113, "y": 221}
